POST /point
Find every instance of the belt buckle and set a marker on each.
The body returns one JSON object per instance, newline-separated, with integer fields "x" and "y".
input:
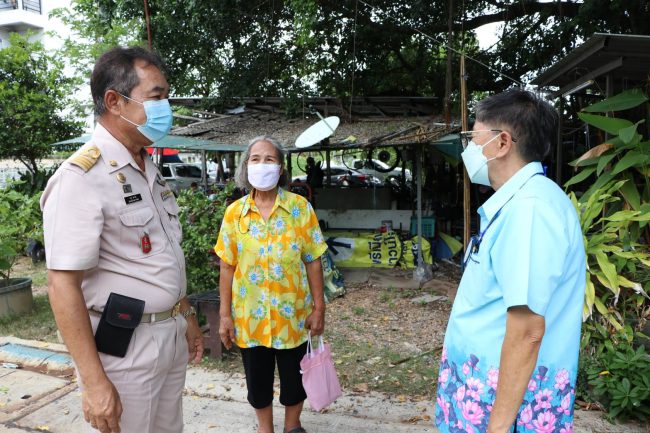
{"x": 176, "y": 310}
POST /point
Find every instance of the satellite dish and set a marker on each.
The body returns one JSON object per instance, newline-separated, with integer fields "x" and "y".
{"x": 318, "y": 132}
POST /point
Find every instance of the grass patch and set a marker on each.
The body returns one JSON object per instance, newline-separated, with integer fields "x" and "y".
{"x": 37, "y": 325}
{"x": 37, "y": 272}
{"x": 370, "y": 366}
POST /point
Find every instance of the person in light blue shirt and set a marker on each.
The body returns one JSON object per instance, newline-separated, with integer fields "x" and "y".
{"x": 510, "y": 357}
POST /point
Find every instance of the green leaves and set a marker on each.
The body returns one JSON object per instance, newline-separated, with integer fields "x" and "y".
{"x": 620, "y": 373}
{"x": 607, "y": 124}
{"x": 631, "y": 159}
{"x": 614, "y": 211}
{"x": 623, "y": 101}
{"x": 37, "y": 106}
{"x": 584, "y": 174}
{"x": 200, "y": 219}
{"x": 20, "y": 220}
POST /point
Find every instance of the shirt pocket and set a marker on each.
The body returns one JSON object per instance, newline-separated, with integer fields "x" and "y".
{"x": 136, "y": 224}
{"x": 172, "y": 209}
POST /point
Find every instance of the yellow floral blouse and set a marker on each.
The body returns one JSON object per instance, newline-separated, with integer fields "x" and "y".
{"x": 270, "y": 292}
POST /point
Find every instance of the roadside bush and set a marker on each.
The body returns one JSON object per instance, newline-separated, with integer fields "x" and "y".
{"x": 200, "y": 217}
{"x": 614, "y": 214}
{"x": 620, "y": 377}
{"x": 31, "y": 183}
{"x": 20, "y": 220}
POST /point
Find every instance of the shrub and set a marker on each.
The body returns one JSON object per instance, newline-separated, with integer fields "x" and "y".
{"x": 201, "y": 218}
{"x": 614, "y": 213}
{"x": 20, "y": 220}
{"x": 620, "y": 377}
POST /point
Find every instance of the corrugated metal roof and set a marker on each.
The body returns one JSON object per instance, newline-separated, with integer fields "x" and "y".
{"x": 239, "y": 129}
{"x": 621, "y": 56}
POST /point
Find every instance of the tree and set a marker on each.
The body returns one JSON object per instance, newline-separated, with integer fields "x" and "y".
{"x": 230, "y": 48}
{"x": 36, "y": 108}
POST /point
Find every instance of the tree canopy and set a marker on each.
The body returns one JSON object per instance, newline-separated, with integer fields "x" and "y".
{"x": 36, "y": 107}
{"x": 230, "y": 48}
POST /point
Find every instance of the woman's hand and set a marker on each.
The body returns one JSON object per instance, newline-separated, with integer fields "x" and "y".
{"x": 227, "y": 331}
{"x": 316, "y": 321}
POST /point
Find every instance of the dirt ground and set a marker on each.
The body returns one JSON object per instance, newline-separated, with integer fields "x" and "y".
{"x": 37, "y": 272}
{"x": 384, "y": 336}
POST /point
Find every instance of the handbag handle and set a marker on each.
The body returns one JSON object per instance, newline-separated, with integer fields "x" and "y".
{"x": 310, "y": 349}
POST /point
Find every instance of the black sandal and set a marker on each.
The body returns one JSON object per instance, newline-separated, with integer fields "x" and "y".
{"x": 296, "y": 430}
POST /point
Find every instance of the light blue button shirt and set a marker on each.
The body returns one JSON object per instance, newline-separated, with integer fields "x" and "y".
{"x": 532, "y": 254}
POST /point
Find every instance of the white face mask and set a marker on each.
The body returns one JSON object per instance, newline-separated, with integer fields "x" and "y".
{"x": 476, "y": 163}
{"x": 264, "y": 177}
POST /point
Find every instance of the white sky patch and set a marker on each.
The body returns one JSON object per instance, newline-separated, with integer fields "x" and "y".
{"x": 488, "y": 35}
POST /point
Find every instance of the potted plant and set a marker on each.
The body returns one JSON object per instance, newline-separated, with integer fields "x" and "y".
{"x": 19, "y": 220}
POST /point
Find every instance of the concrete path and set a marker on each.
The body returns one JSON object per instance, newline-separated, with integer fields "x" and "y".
{"x": 42, "y": 396}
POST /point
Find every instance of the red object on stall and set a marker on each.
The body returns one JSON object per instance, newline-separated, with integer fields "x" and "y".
{"x": 165, "y": 151}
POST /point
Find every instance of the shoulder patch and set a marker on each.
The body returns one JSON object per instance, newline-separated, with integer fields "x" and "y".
{"x": 85, "y": 157}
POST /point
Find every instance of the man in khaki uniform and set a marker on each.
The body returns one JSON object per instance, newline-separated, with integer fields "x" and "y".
{"x": 111, "y": 227}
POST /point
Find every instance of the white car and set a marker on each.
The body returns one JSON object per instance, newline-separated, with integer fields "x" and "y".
{"x": 180, "y": 175}
{"x": 370, "y": 167}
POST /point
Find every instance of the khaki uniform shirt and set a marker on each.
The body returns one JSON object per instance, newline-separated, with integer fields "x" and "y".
{"x": 96, "y": 218}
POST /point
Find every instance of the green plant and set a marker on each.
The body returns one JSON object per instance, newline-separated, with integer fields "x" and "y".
{"x": 614, "y": 212}
{"x": 37, "y": 106}
{"x": 31, "y": 183}
{"x": 20, "y": 220}
{"x": 201, "y": 217}
{"x": 620, "y": 375}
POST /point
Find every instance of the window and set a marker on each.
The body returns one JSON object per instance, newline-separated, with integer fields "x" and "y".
{"x": 188, "y": 171}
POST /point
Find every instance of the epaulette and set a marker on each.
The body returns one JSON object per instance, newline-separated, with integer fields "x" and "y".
{"x": 85, "y": 157}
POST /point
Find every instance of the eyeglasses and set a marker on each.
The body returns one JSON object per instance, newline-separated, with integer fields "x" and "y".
{"x": 467, "y": 136}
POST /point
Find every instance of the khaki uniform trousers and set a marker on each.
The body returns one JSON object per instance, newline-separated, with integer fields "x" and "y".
{"x": 151, "y": 377}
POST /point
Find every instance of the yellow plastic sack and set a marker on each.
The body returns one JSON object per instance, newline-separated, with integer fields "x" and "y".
{"x": 364, "y": 250}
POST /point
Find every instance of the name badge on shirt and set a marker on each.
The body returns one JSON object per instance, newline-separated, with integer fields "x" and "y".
{"x": 166, "y": 194}
{"x": 130, "y": 199}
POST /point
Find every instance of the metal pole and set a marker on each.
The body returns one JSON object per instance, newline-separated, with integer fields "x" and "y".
{"x": 418, "y": 164}
{"x": 204, "y": 172}
{"x": 558, "y": 149}
{"x": 289, "y": 168}
{"x": 465, "y": 126}
{"x": 327, "y": 164}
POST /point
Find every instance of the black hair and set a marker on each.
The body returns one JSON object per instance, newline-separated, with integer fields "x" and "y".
{"x": 531, "y": 121}
{"x": 115, "y": 70}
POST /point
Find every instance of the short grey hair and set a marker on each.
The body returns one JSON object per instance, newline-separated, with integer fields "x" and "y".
{"x": 241, "y": 174}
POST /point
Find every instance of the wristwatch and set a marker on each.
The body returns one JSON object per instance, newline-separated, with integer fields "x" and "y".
{"x": 189, "y": 312}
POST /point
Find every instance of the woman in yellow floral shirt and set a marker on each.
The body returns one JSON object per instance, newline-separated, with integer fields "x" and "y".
{"x": 271, "y": 282}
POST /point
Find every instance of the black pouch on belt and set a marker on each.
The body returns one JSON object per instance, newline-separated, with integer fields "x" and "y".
{"x": 120, "y": 317}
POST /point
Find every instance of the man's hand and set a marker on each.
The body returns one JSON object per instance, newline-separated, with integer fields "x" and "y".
{"x": 102, "y": 407}
{"x": 316, "y": 321}
{"x": 227, "y": 331}
{"x": 194, "y": 338}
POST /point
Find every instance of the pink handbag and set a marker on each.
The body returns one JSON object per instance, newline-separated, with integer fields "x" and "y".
{"x": 318, "y": 376}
